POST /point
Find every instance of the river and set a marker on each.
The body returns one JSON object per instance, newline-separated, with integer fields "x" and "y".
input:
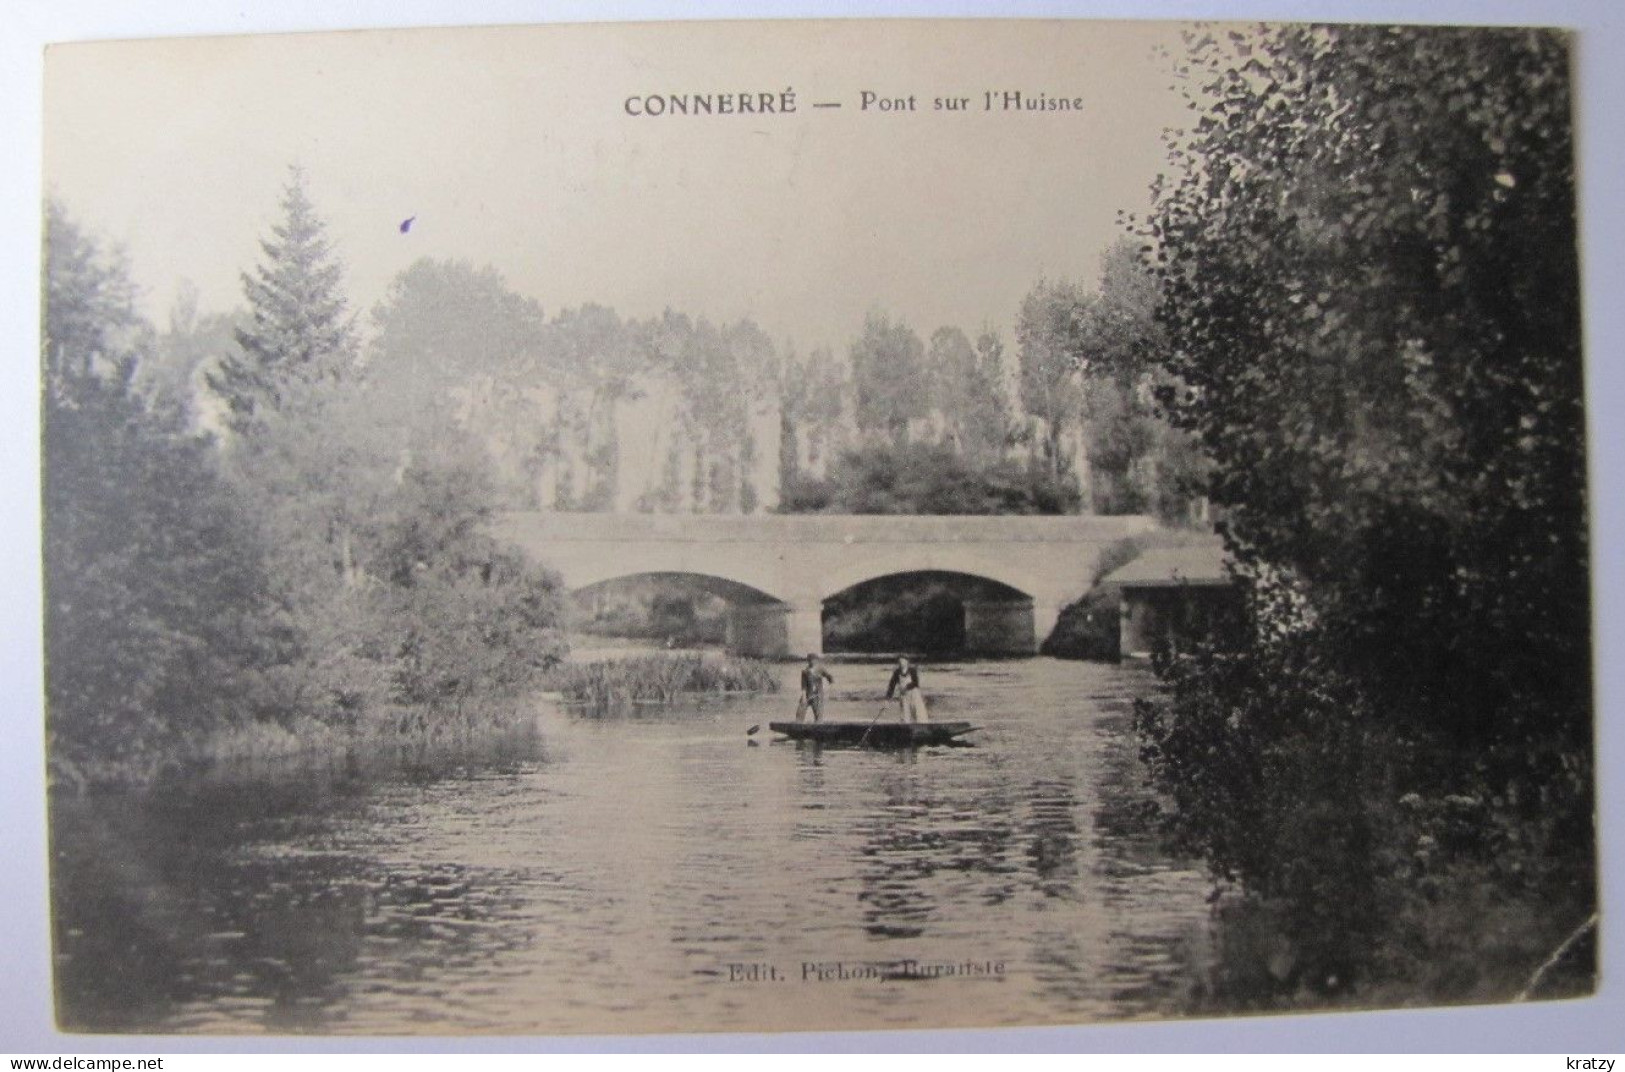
{"x": 653, "y": 871}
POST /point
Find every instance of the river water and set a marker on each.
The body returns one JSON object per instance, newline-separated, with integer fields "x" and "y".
{"x": 652, "y": 871}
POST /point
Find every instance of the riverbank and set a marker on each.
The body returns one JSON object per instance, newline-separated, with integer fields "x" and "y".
{"x": 1475, "y": 945}
{"x": 300, "y": 740}
{"x": 634, "y": 678}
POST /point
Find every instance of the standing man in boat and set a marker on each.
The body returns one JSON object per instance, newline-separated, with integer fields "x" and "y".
{"x": 911, "y": 700}
{"x": 813, "y": 676}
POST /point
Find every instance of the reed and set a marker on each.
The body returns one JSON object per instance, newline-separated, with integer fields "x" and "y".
{"x": 660, "y": 679}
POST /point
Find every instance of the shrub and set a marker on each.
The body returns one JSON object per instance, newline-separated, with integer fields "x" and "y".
{"x": 1089, "y": 629}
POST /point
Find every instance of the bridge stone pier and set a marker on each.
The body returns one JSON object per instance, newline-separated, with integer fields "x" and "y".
{"x": 776, "y": 570}
{"x": 775, "y": 630}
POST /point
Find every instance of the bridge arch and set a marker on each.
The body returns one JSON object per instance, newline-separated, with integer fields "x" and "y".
{"x": 933, "y": 611}
{"x": 798, "y": 561}
{"x": 715, "y": 582}
{"x": 584, "y": 567}
{"x": 758, "y": 623}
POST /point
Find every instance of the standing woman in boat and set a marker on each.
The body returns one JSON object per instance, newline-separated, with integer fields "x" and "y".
{"x": 813, "y": 676}
{"x": 911, "y": 700}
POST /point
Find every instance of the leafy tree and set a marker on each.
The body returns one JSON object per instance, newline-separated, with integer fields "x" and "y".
{"x": 952, "y": 384}
{"x": 753, "y": 354}
{"x": 300, "y": 332}
{"x": 888, "y": 379}
{"x": 1125, "y": 341}
{"x": 374, "y": 492}
{"x": 451, "y": 616}
{"x": 921, "y": 478}
{"x": 157, "y": 617}
{"x": 454, "y": 345}
{"x": 989, "y": 422}
{"x": 446, "y": 324}
{"x": 1370, "y": 289}
{"x": 1095, "y": 358}
{"x": 1139, "y": 462}
{"x": 968, "y": 393}
{"x": 599, "y": 356}
{"x": 725, "y": 374}
{"x": 90, "y": 325}
{"x": 189, "y": 347}
{"x": 813, "y": 408}
{"x": 1050, "y": 333}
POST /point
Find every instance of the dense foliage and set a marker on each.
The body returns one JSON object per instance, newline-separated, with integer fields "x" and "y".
{"x": 889, "y": 379}
{"x": 159, "y": 619}
{"x": 928, "y": 479}
{"x": 376, "y": 501}
{"x": 674, "y": 609}
{"x": 1052, "y": 337}
{"x": 1370, "y": 292}
{"x": 589, "y": 411}
{"x": 324, "y": 564}
{"x": 1091, "y": 361}
{"x": 967, "y": 388}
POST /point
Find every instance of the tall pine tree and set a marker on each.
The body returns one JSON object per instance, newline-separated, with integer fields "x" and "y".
{"x": 300, "y": 332}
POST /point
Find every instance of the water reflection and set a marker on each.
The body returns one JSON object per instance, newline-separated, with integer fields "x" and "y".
{"x": 1051, "y": 829}
{"x": 612, "y": 873}
{"x": 226, "y": 906}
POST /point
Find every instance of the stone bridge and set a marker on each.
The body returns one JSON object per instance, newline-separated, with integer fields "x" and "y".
{"x": 776, "y": 570}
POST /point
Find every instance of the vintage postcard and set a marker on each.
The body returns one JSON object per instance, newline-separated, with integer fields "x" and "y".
{"x": 831, "y": 525}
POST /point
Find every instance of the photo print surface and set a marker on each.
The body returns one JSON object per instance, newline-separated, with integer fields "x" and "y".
{"x": 813, "y": 525}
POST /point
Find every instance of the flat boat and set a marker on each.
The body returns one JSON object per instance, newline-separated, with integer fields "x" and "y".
{"x": 877, "y": 734}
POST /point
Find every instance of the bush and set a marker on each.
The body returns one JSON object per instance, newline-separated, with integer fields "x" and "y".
{"x": 160, "y": 624}
{"x": 1089, "y": 628}
{"x": 929, "y": 479}
{"x": 1264, "y": 758}
{"x": 1373, "y": 854}
{"x": 1370, "y": 286}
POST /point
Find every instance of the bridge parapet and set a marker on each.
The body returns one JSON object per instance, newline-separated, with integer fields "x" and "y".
{"x": 826, "y": 528}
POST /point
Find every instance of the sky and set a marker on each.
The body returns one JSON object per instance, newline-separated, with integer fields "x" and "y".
{"x": 513, "y": 147}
